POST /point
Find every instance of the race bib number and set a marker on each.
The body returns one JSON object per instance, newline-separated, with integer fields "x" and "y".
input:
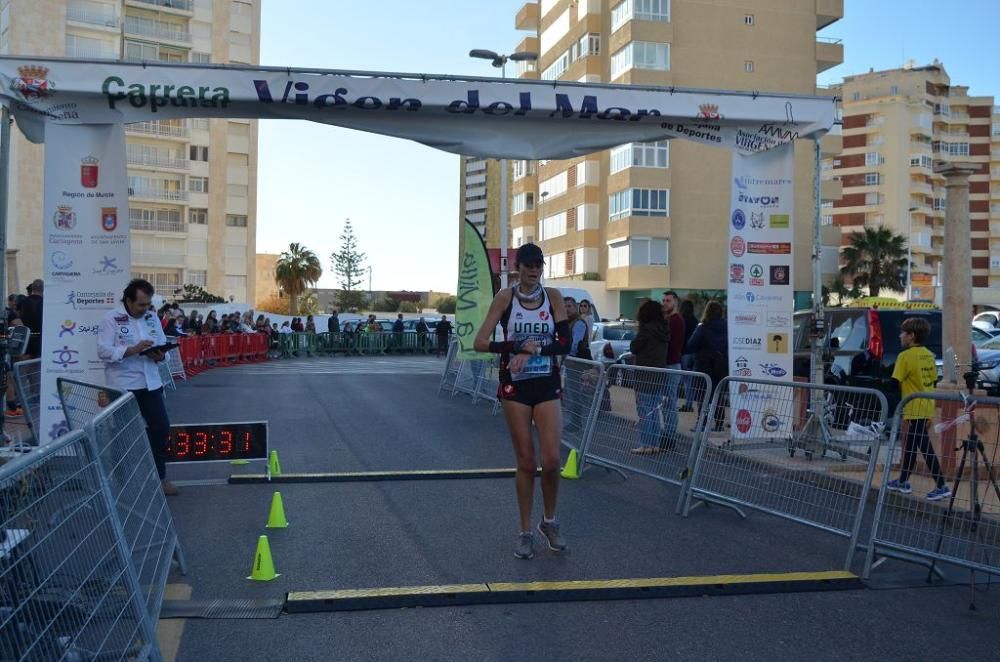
{"x": 535, "y": 366}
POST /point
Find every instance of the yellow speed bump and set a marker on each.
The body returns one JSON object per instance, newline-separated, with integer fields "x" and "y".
{"x": 596, "y": 589}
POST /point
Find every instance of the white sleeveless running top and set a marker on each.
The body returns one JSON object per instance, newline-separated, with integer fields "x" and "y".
{"x": 525, "y": 324}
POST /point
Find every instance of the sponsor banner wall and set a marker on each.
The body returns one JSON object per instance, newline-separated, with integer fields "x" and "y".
{"x": 477, "y": 117}
{"x": 86, "y": 252}
{"x": 760, "y": 295}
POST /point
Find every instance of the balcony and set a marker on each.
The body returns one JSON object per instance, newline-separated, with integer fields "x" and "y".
{"x": 158, "y": 30}
{"x": 91, "y": 52}
{"x": 828, "y": 12}
{"x": 156, "y": 225}
{"x": 158, "y": 259}
{"x": 155, "y": 160}
{"x": 170, "y": 195}
{"x": 527, "y": 17}
{"x": 91, "y": 17}
{"x": 831, "y": 189}
{"x": 154, "y": 128}
{"x": 829, "y": 53}
{"x": 180, "y": 6}
{"x": 831, "y": 144}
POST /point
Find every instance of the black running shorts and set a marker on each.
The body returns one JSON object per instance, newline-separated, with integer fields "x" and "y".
{"x": 531, "y": 392}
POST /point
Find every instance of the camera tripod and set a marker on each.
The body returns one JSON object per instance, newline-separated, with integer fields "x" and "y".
{"x": 972, "y": 447}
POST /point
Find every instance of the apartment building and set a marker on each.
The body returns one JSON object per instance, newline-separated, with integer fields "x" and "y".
{"x": 192, "y": 183}
{"x": 648, "y": 216}
{"x": 480, "y": 202}
{"x": 899, "y": 124}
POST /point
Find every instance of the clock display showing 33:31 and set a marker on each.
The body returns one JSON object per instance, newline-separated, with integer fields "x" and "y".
{"x": 213, "y": 442}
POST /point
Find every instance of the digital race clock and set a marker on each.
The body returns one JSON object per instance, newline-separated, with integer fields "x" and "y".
{"x": 215, "y": 442}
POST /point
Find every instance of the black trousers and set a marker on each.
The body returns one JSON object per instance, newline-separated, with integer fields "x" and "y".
{"x": 154, "y": 412}
{"x": 917, "y": 439}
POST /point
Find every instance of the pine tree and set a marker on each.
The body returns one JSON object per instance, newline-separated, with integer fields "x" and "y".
{"x": 349, "y": 265}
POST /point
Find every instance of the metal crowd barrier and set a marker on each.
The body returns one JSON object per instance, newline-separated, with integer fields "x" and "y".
{"x": 28, "y": 383}
{"x": 583, "y": 386}
{"x": 174, "y": 362}
{"x": 961, "y": 529}
{"x": 166, "y": 377}
{"x": 113, "y": 421}
{"x": 836, "y": 432}
{"x": 68, "y": 589}
{"x": 452, "y": 366}
{"x": 638, "y": 427}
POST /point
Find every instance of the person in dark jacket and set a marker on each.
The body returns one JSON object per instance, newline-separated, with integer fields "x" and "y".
{"x": 710, "y": 345}
{"x": 650, "y": 348}
{"x": 443, "y": 333}
{"x": 31, "y": 315}
{"x": 687, "y": 360}
{"x": 333, "y": 324}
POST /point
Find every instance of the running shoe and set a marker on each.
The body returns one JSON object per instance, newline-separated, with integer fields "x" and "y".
{"x": 939, "y": 493}
{"x": 901, "y": 487}
{"x": 523, "y": 548}
{"x": 550, "y": 530}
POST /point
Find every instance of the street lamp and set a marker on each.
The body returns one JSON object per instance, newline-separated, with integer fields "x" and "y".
{"x": 909, "y": 253}
{"x": 500, "y": 62}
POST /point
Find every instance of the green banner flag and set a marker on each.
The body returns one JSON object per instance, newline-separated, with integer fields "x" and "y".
{"x": 475, "y": 290}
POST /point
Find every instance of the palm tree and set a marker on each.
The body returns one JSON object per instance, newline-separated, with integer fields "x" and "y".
{"x": 838, "y": 288}
{"x": 876, "y": 259}
{"x": 296, "y": 269}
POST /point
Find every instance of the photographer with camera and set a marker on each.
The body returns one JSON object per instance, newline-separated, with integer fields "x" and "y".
{"x": 128, "y": 342}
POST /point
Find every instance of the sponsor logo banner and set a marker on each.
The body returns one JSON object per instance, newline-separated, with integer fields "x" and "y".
{"x": 87, "y": 258}
{"x": 761, "y": 298}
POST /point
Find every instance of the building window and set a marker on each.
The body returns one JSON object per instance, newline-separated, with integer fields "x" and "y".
{"x": 199, "y": 278}
{"x": 640, "y": 10}
{"x": 200, "y": 58}
{"x": 856, "y": 96}
{"x": 523, "y": 169}
{"x": 242, "y": 8}
{"x": 826, "y": 220}
{"x": 874, "y": 159}
{"x": 639, "y": 252}
{"x": 894, "y": 90}
{"x": 872, "y": 179}
{"x": 198, "y": 153}
{"x": 589, "y": 44}
{"x": 641, "y": 55}
{"x": 155, "y": 220}
{"x": 236, "y": 220}
{"x": 237, "y": 190}
{"x": 137, "y": 50}
{"x": 748, "y": 19}
{"x": 748, "y": 66}
{"x": 557, "y": 68}
{"x": 198, "y": 216}
{"x": 641, "y": 155}
{"x": 552, "y": 226}
{"x": 523, "y": 202}
{"x": 638, "y": 202}
{"x": 198, "y": 184}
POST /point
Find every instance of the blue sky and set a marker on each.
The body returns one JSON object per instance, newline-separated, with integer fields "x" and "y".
{"x": 403, "y": 198}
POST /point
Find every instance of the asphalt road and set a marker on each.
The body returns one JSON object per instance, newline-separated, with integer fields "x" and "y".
{"x": 355, "y": 417}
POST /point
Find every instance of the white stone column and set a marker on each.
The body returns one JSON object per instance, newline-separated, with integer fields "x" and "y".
{"x": 956, "y": 312}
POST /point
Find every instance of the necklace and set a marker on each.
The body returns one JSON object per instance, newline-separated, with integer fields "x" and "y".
{"x": 534, "y": 295}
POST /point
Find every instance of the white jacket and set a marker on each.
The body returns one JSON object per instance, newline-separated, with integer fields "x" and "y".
{"x": 118, "y": 332}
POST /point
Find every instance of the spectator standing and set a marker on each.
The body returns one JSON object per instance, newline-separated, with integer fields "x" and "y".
{"x": 675, "y": 350}
{"x": 579, "y": 348}
{"x": 286, "y": 328}
{"x": 126, "y": 332}
{"x": 310, "y": 325}
{"x": 651, "y": 347}
{"x": 710, "y": 345}
{"x": 261, "y": 325}
{"x": 397, "y": 332}
{"x": 443, "y": 333}
{"x": 333, "y": 324}
{"x": 687, "y": 359}
{"x": 31, "y": 316}
{"x": 11, "y": 309}
{"x": 422, "y": 334}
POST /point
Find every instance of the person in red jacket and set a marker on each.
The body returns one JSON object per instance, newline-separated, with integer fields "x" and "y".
{"x": 675, "y": 349}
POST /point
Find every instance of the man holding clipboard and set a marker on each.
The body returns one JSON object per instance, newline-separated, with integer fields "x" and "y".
{"x": 131, "y": 342}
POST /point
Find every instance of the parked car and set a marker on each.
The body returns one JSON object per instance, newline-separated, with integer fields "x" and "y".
{"x": 610, "y": 340}
{"x": 987, "y": 321}
{"x": 860, "y": 349}
{"x": 988, "y": 359}
{"x": 981, "y": 337}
